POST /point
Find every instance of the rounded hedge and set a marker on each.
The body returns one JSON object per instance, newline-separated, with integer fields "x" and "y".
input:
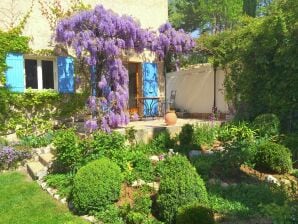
{"x": 96, "y": 185}
{"x": 195, "y": 213}
{"x": 272, "y": 157}
{"x": 180, "y": 184}
{"x": 267, "y": 125}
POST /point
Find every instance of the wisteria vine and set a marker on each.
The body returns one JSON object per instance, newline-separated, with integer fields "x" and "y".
{"x": 100, "y": 36}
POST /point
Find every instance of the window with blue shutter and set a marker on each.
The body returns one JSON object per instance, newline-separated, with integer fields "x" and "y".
{"x": 150, "y": 89}
{"x": 14, "y": 74}
{"x": 65, "y": 75}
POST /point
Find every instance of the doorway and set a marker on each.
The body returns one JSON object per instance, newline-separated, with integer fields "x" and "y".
{"x": 134, "y": 87}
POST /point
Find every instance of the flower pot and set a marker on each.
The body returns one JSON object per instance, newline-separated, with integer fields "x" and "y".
{"x": 171, "y": 118}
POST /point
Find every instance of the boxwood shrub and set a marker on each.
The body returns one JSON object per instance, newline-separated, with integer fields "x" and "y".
{"x": 272, "y": 157}
{"x": 96, "y": 185}
{"x": 195, "y": 213}
{"x": 180, "y": 184}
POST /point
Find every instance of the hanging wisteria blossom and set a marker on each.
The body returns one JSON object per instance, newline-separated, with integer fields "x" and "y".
{"x": 170, "y": 42}
{"x": 100, "y": 36}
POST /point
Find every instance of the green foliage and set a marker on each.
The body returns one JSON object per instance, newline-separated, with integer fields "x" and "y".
{"x": 235, "y": 155}
{"x": 111, "y": 215}
{"x": 244, "y": 200}
{"x": 195, "y": 213}
{"x": 32, "y": 113}
{"x": 286, "y": 213}
{"x": 213, "y": 16}
{"x": 11, "y": 41}
{"x": 236, "y": 132}
{"x": 267, "y": 125}
{"x": 180, "y": 184}
{"x": 61, "y": 182}
{"x": 37, "y": 141}
{"x": 68, "y": 151}
{"x": 205, "y": 163}
{"x": 204, "y": 135}
{"x": 130, "y": 134}
{"x": 108, "y": 144}
{"x": 261, "y": 58}
{"x": 96, "y": 185}
{"x": 162, "y": 142}
{"x": 186, "y": 135}
{"x": 272, "y": 157}
{"x": 291, "y": 142}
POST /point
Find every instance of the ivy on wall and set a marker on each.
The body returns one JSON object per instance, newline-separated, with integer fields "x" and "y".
{"x": 11, "y": 41}
{"x": 34, "y": 112}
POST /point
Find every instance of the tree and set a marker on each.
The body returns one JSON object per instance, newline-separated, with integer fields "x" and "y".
{"x": 206, "y": 15}
{"x": 262, "y": 60}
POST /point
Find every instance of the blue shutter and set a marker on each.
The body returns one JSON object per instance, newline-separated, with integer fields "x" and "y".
{"x": 150, "y": 88}
{"x": 65, "y": 75}
{"x": 15, "y": 72}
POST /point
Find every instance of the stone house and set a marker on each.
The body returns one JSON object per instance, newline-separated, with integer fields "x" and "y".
{"x": 37, "y": 71}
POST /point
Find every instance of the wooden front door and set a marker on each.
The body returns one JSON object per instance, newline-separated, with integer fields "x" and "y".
{"x": 134, "y": 87}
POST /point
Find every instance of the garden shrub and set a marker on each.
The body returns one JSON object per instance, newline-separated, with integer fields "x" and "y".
{"x": 9, "y": 157}
{"x": 204, "y": 135}
{"x": 68, "y": 152}
{"x": 111, "y": 215}
{"x": 37, "y": 141}
{"x": 272, "y": 157}
{"x": 236, "y": 154}
{"x": 61, "y": 182}
{"x": 291, "y": 142}
{"x": 162, "y": 142}
{"x": 186, "y": 135}
{"x": 205, "y": 163}
{"x": 267, "y": 125}
{"x": 195, "y": 213}
{"x": 106, "y": 144}
{"x": 179, "y": 185}
{"x": 236, "y": 132}
{"x": 96, "y": 185}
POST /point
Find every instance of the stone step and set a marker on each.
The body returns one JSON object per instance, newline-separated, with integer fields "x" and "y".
{"x": 46, "y": 159}
{"x": 36, "y": 170}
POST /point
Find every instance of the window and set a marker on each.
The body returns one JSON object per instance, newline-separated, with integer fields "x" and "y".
{"x": 40, "y": 74}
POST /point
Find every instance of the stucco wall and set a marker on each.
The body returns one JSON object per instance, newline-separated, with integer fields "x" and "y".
{"x": 150, "y": 14}
{"x": 195, "y": 89}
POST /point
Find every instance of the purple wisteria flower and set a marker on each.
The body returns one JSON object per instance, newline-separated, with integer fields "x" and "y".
{"x": 100, "y": 37}
{"x": 91, "y": 125}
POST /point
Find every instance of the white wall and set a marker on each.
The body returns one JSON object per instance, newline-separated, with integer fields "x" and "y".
{"x": 150, "y": 14}
{"x": 195, "y": 89}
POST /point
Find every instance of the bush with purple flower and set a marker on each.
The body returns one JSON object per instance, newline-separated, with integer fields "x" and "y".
{"x": 9, "y": 157}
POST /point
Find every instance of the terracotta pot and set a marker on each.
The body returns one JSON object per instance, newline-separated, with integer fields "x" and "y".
{"x": 171, "y": 118}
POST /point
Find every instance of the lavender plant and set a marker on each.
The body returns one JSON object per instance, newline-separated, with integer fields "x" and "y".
{"x": 9, "y": 157}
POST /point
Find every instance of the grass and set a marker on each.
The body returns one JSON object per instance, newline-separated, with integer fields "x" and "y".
{"x": 23, "y": 201}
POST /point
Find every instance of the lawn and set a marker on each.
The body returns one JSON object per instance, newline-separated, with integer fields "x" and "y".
{"x": 23, "y": 201}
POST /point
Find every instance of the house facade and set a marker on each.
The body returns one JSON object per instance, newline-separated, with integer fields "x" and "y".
{"x": 36, "y": 71}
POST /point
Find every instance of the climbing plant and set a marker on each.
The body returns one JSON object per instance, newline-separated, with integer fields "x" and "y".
{"x": 100, "y": 37}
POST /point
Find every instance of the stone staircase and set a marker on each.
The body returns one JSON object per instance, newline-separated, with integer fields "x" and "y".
{"x": 41, "y": 162}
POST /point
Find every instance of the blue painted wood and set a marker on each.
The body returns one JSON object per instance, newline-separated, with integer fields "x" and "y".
{"x": 65, "y": 75}
{"x": 150, "y": 88}
{"x": 15, "y": 79}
